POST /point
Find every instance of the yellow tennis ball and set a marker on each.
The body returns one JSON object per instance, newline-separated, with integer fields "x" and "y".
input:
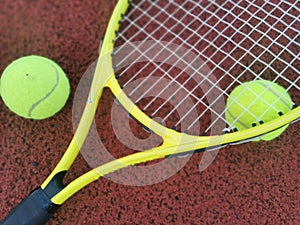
{"x": 256, "y": 102}
{"x": 34, "y": 87}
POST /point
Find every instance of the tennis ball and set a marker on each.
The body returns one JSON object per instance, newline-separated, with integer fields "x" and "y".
{"x": 256, "y": 102}
{"x": 34, "y": 87}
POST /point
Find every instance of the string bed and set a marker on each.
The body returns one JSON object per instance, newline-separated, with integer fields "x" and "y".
{"x": 179, "y": 60}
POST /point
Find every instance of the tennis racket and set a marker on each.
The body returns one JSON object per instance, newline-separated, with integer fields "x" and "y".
{"x": 172, "y": 64}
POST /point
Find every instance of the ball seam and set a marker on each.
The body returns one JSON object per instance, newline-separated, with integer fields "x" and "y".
{"x": 46, "y": 96}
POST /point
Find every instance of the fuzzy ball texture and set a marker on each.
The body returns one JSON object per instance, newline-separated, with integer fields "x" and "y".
{"x": 256, "y": 102}
{"x": 34, "y": 87}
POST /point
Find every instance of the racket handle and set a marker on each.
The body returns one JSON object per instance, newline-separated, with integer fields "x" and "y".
{"x": 35, "y": 209}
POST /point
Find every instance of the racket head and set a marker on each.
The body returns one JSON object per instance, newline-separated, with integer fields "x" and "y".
{"x": 197, "y": 52}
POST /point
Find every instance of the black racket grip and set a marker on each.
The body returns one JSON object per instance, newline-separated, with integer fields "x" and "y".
{"x": 35, "y": 209}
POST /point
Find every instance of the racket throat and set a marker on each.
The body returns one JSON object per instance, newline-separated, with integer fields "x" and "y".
{"x": 55, "y": 185}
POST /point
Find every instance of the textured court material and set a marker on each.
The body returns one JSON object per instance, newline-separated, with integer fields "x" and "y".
{"x": 252, "y": 183}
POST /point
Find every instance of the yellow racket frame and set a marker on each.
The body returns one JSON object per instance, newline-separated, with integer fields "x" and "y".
{"x": 173, "y": 142}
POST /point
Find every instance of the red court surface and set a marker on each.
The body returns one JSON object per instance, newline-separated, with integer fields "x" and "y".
{"x": 253, "y": 183}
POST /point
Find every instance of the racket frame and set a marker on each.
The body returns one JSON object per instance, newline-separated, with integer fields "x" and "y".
{"x": 173, "y": 142}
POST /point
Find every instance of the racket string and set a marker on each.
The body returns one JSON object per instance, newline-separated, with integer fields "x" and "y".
{"x": 247, "y": 51}
{"x": 276, "y": 57}
{"x": 224, "y": 71}
{"x": 264, "y": 34}
{"x": 238, "y": 54}
{"x": 191, "y": 77}
{"x": 131, "y": 39}
{"x": 166, "y": 72}
{"x": 141, "y": 54}
{"x": 201, "y": 38}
